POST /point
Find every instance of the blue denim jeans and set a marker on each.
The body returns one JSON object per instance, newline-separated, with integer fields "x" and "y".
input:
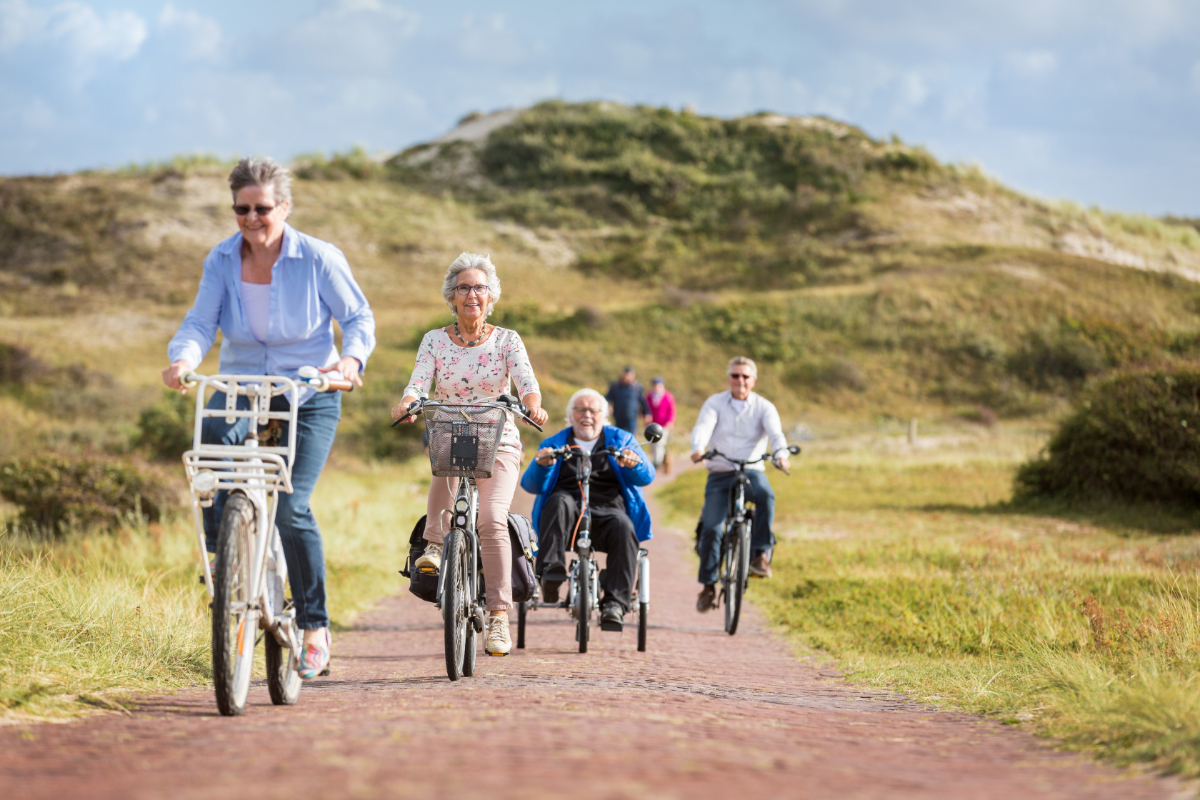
{"x": 316, "y": 426}
{"x": 716, "y": 509}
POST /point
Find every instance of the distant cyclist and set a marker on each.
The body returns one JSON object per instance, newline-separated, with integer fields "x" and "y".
{"x": 741, "y": 424}
{"x": 627, "y": 400}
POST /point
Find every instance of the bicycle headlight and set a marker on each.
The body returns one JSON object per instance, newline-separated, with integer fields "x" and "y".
{"x": 461, "y": 505}
{"x": 204, "y": 482}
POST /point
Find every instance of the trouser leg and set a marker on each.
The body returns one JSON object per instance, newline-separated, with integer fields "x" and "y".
{"x": 712, "y": 521}
{"x": 762, "y": 538}
{"x": 555, "y": 524}
{"x": 215, "y": 430}
{"x": 495, "y": 498}
{"x": 316, "y": 427}
{"x": 613, "y": 533}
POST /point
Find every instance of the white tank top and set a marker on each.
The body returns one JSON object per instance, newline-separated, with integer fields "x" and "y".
{"x": 256, "y": 300}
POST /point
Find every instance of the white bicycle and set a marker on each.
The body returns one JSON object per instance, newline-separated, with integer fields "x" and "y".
{"x": 248, "y": 582}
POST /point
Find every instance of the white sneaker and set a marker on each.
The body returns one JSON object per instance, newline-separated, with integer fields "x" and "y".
{"x": 431, "y": 558}
{"x": 498, "y": 643}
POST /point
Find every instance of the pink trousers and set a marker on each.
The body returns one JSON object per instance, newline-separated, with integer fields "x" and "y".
{"x": 495, "y": 497}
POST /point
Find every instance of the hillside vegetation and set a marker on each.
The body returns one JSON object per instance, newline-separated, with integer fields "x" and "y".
{"x": 871, "y": 281}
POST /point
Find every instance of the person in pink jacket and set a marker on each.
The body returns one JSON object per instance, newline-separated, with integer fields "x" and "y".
{"x": 662, "y": 411}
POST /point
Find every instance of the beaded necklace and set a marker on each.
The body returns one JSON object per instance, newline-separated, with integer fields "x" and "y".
{"x": 462, "y": 338}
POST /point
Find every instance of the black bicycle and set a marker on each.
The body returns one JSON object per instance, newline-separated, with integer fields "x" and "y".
{"x": 462, "y": 444}
{"x": 734, "y": 570}
{"x": 583, "y": 578}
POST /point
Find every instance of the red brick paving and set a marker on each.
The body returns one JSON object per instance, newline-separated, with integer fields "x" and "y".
{"x": 700, "y": 715}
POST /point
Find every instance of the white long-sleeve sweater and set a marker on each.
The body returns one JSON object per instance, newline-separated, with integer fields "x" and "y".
{"x": 743, "y": 435}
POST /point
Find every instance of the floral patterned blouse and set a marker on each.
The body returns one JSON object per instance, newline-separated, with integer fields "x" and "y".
{"x": 468, "y": 374}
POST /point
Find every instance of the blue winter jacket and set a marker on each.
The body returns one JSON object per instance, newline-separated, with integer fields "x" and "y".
{"x": 540, "y": 481}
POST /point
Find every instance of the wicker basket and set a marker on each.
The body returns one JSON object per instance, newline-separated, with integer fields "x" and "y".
{"x": 463, "y": 440}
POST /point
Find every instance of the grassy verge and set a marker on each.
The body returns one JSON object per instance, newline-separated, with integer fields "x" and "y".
{"x": 907, "y": 567}
{"x": 93, "y": 618}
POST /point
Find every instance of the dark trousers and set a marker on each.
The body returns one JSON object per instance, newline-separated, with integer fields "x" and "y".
{"x": 716, "y": 509}
{"x": 316, "y": 427}
{"x": 612, "y": 533}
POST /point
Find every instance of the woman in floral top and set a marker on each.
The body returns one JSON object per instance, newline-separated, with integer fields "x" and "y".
{"x": 466, "y": 362}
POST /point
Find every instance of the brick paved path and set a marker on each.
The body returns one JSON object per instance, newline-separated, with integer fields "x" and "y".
{"x": 700, "y": 715}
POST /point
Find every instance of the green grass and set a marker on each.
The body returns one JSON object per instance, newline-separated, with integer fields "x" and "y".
{"x": 911, "y": 571}
{"x": 97, "y": 617}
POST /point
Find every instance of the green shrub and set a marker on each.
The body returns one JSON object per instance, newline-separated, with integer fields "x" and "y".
{"x": 18, "y": 365}
{"x": 165, "y": 428}
{"x": 1135, "y": 438}
{"x": 55, "y": 491}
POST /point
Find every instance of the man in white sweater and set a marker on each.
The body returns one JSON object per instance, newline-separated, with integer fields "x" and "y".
{"x": 741, "y": 425}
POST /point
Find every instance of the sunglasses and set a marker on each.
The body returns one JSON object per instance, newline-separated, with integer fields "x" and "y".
{"x": 262, "y": 211}
{"x": 737, "y": 376}
{"x": 465, "y": 289}
{"x": 581, "y": 411}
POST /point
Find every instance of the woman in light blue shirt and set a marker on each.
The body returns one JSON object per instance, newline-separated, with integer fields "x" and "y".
{"x": 274, "y": 292}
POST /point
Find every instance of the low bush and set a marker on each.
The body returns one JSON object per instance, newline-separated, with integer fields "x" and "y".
{"x": 165, "y": 428}
{"x": 1134, "y": 438}
{"x": 55, "y": 491}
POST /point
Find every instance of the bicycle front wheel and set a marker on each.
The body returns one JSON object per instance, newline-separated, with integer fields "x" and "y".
{"x": 522, "y": 612}
{"x": 234, "y": 623}
{"x": 737, "y": 566}
{"x": 584, "y": 602}
{"x": 454, "y": 602}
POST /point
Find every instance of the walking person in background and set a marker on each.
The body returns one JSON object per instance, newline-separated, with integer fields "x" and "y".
{"x": 741, "y": 424}
{"x": 662, "y": 412}
{"x": 627, "y": 402}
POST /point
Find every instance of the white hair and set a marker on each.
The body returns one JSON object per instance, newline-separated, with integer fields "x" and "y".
{"x": 463, "y": 263}
{"x": 602, "y": 419}
{"x": 742, "y": 361}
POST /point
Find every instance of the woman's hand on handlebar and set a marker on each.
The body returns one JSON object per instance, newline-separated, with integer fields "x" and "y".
{"x": 401, "y": 408}
{"x": 349, "y": 368}
{"x": 172, "y": 376}
{"x": 533, "y": 402}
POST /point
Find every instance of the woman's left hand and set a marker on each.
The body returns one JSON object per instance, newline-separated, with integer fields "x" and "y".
{"x": 349, "y": 367}
{"x": 533, "y": 402}
{"x": 628, "y": 458}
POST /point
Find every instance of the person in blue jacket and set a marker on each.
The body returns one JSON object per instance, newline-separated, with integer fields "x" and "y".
{"x": 620, "y": 518}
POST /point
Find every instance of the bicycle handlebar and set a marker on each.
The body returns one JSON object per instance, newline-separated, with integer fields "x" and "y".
{"x": 504, "y": 401}
{"x": 738, "y": 462}
{"x": 309, "y": 376}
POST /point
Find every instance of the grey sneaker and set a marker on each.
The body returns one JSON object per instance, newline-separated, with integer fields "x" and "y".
{"x": 431, "y": 559}
{"x": 498, "y": 643}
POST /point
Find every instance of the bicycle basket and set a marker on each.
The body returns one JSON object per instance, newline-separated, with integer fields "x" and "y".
{"x": 463, "y": 440}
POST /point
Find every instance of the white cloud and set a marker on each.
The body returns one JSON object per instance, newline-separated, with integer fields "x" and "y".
{"x": 198, "y": 37}
{"x": 18, "y": 22}
{"x": 118, "y": 36}
{"x": 1194, "y": 77}
{"x": 1032, "y": 64}
{"x": 353, "y": 36}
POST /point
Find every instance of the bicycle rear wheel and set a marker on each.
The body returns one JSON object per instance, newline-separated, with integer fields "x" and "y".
{"x": 454, "y": 602}
{"x": 737, "y": 567}
{"x": 234, "y": 624}
{"x": 584, "y": 602}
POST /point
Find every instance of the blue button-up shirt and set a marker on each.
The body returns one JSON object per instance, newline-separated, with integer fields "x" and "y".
{"x": 311, "y": 286}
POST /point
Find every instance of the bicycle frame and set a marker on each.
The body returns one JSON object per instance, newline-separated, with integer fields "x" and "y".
{"x": 258, "y": 472}
{"x": 465, "y": 522}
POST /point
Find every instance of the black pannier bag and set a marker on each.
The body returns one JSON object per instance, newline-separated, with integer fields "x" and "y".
{"x": 524, "y": 548}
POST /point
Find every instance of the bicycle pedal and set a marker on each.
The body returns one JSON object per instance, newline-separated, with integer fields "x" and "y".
{"x": 427, "y": 570}
{"x": 497, "y": 655}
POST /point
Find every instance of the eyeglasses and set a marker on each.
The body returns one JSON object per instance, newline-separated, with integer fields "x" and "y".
{"x": 737, "y": 376}
{"x": 465, "y": 289}
{"x": 262, "y": 211}
{"x": 581, "y": 411}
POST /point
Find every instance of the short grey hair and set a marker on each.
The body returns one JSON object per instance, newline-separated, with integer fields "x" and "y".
{"x": 603, "y": 418}
{"x": 463, "y": 263}
{"x": 262, "y": 172}
{"x": 737, "y": 361}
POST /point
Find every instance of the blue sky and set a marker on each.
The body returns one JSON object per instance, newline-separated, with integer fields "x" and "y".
{"x": 1094, "y": 100}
